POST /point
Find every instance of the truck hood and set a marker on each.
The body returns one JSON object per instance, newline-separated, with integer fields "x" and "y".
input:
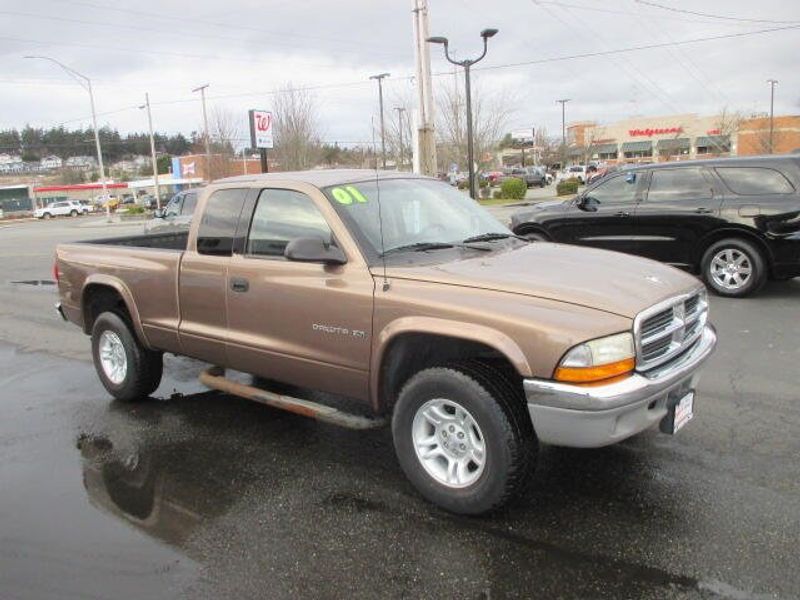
{"x": 609, "y": 281}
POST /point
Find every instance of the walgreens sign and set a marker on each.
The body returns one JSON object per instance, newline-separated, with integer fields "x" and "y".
{"x": 655, "y": 131}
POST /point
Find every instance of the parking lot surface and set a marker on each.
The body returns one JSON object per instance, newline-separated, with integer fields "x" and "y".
{"x": 199, "y": 494}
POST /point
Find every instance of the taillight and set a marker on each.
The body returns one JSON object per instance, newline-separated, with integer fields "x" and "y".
{"x": 56, "y": 273}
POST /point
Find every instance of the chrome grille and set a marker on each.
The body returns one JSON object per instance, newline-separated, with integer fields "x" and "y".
{"x": 667, "y": 329}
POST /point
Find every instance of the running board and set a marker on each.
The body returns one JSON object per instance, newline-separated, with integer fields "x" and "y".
{"x": 214, "y": 378}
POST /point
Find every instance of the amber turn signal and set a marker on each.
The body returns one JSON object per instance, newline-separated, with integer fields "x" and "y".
{"x": 597, "y": 373}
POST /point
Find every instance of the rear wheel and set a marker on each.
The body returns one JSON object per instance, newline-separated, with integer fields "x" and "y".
{"x": 464, "y": 438}
{"x": 73, "y": 213}
{"x": 47, "y": 216}
{"x": 535, "y": 236}
{"x": 734, "y": 268}
{"x": 128, "y": 370}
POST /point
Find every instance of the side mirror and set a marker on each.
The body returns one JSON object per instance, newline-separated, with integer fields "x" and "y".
{"x": 314, "y": 250}
{"x": 159, "y": 213}
{"x": 588, "y": 204}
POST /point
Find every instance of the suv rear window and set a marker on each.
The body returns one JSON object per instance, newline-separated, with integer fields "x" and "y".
{"x": 754, "y": 181}
{"x": 220, "y": 219}
{"x": 678, "y": 184}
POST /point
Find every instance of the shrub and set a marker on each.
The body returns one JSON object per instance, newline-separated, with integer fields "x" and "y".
{"x": 463, "y": 185}
{"x": 497, "y": 195}
{"x": 135, "y": 210}
{"x": 567, "y": 187}
{"x": 513, "y": 188}
{"x": 483, "y": 183}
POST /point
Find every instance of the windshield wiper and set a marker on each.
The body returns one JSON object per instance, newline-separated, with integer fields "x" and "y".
{"x": 419, "y": 247}
{"x": 490, "y": 237}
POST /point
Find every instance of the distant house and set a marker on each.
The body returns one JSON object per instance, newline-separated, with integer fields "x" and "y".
{"x": 51, "y": 162}
{"x": 9, "y": 159}
{"x": 81, "y": 163}
{"x": 11, "y": 163}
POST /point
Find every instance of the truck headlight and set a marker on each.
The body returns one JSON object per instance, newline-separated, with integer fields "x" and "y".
{"x": 598, "y": 359}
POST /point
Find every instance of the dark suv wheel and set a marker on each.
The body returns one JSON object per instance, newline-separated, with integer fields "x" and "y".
{"x": 464, "y": 437}
{"x": 734, "y": 267}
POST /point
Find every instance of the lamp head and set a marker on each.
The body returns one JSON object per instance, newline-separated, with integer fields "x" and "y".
{"x": 437, "y": 40}
{"x": 487, "y": 33}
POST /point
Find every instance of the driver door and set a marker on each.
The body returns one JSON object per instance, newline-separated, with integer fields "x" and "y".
{"x": 303, "y": 323}
{"x": 605, "y": 214}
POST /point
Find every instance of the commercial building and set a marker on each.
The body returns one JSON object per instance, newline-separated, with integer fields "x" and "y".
{"x": 679, "y": 137}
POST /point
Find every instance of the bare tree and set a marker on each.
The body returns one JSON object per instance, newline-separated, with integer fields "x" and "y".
{"x": 225, "y": 131}
{"x": 399, "y": 136}
{"x": 297, "y": 129}
{"x": 490, "y": 114}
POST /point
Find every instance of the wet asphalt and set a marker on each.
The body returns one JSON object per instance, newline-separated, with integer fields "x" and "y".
{"x": 197, "y": 494}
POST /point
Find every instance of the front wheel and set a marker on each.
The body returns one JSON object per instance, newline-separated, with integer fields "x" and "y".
{"x": 734, "y": 268}
{"x": 47, "y": 216}
{"x": 73, "y": 213}
{"x": 464, "y": 438}
{"x": 128, "y": 370}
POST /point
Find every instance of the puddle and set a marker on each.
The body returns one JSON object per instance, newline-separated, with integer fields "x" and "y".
{"x": 35, "y": 283}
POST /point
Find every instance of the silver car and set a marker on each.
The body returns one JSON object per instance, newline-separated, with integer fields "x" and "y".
{"x": 175, "y": 216}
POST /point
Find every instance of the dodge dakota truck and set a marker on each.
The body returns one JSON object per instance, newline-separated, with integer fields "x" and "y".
{"x": 404, "y": 297}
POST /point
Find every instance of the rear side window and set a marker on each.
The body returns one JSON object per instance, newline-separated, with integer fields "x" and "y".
{"x": 189, "y": 202}
{"x": 282, "y": 216}
{"x": 220, "y": 218}
{"x": 678, "y": 184}
{"x": 754, "y": 181}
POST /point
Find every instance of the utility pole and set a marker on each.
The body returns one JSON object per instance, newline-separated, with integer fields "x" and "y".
{"x": 86, "y": 84}
{"x": 466, "y": 64}
{"x": 379, "y": 78}
{"x": 202, "y": 90}
{"x": 152, "y": 149}
{"x": 563, "y": 103}
{"x": 400, "y": 110}
{"x": 772, "y": 83}
{"x": 425, "y": 150}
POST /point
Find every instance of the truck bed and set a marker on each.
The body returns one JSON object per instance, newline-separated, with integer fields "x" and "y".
{"x": 174, "y": 240}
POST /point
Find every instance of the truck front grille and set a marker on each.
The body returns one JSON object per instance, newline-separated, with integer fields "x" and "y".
{"x": 666, "y": 330}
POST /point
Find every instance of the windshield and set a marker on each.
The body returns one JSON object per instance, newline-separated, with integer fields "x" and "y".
{"x": 414, "y": 211}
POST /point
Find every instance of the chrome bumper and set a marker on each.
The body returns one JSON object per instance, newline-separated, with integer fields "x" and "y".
{"x": 592, "y": 416}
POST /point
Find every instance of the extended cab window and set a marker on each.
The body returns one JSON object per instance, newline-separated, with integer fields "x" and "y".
{"x": 678, "y": 184}
{"x": 619, "y": 189}
{"x": 174, "y": 207}
{"x": 754, "y": 181}
{"x": 218, "y": 225}
{"x": 282, "y": 216}
{"x": 189, "y": 202}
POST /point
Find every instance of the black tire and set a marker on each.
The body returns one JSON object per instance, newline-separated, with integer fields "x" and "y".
{"x": 144, "y": 367}
{"x": 497, "y": 405}
{"x": 47, "y": 216}
{"x": 752, "y": 257}
{"x": 73, "y": 213}
{"x": 535, "y": 236}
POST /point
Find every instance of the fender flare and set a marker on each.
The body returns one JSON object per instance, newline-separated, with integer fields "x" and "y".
{"x": 446, "y": 328}
{"x": 127, "y": 297}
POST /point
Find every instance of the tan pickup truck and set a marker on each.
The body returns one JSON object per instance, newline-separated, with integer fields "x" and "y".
{"x": 402, "y": 294}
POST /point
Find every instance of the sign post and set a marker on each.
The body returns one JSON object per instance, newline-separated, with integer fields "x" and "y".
{"x": 261, "y": 123}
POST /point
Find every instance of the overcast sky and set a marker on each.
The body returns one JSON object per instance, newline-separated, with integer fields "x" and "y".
{"x": 246, "y": 48}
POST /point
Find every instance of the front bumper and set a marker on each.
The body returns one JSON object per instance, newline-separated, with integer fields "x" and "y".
{"x": 598, "y": 415}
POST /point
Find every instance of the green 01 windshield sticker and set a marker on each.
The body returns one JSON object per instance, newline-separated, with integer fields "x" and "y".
{"x": 348, "y": 194}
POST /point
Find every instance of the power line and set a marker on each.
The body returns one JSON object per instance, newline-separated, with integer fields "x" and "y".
{"x": 62, "y": 19}
{"x": 710, "y": 15}
{"x": 620, "y": 12}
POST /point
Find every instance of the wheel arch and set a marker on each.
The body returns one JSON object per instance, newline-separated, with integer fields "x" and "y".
{"x": 103, "y": 292}
{"x": 407, "y": 345}
{"x": 731, "y": 232}
{"x": 532, "y": 227}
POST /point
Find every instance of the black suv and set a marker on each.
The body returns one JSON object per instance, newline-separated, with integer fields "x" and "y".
{"x": 735, "y": 221}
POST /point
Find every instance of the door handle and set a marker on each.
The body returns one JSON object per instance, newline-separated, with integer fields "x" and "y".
{"x": 623, "y": 213}
{"x": 239, "y": 284}
{"x": 704, "y": 211}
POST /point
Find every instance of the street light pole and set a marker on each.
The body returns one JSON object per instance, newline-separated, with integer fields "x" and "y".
{"x": 86, "y": 84}
{"x": 400, "y": 110}
{"x": 202, "y": 90}
{"x": 772, "y": 83}
{"x": 466, "y": 64}
{"x": 152, "y": 149}
{"x": 563, "y": 103}
{"x": 380, "y": 79}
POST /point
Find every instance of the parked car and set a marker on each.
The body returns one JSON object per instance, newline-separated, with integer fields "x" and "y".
{"x": 87, "y": 206}
{"x": 63, "y": 208}
{"x": 494, "y": 177}
{"x": 530, "y": 175}
{"x": 734, "y": 221}
{"x": 575, "y": 171}
{"x": 409, "y": 299}
{"x": 175, "y": 216}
